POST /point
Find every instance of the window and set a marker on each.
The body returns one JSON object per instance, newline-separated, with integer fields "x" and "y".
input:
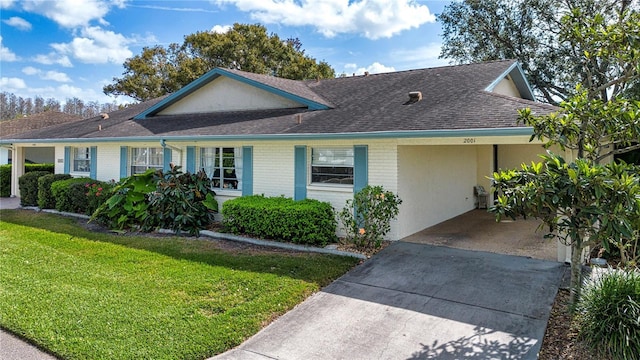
{"x": 332, "y": 166}
{"x": 223, "y": 166}
{"x": 143, "y": 159}
{"x": 81, "y": 159}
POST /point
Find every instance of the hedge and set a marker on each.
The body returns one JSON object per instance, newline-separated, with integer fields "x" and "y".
{"x": 45, "y": 197}
{"x": 70, "y": 195}
{"x": 282, "y": 219}
{"x": 5, "y": 175}
{"x": 80, "y": 195}
{"x": 28, "y": 184}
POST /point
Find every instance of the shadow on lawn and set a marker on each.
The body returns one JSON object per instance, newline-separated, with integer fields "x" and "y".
{"x": 317, "y": 268}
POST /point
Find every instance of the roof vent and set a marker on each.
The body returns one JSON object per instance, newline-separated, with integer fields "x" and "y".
{"x": 105, "y": 116}
{"x": 414, "y": 97}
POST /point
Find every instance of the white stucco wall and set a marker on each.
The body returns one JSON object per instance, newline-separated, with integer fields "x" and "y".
{"x": 507, "y": 87}
{"x": 512, "y": 156}
{"x": 225, "y": 94}
{"x": 435, "y": 184}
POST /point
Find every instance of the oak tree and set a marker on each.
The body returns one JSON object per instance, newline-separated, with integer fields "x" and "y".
{"x": 160, "y": 70}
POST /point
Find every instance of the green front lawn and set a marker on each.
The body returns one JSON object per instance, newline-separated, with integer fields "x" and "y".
{"x": 87, "y": 295}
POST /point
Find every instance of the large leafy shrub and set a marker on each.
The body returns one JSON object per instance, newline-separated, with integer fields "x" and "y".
{"x": 128, "y": 206}
{"x": 182, "y": 201}
{"x": 608, "y": 314}
{"x": 282, "y": 219}
{"x": 366, "y": 218}
{"x": 172, "y": 200}
{"x": 28, "y": 184}
{"x": 70, "y": 195}
{"x": 45, "y": 196}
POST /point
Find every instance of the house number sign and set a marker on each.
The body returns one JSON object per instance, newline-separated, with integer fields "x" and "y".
{"x": 469, "y": 140}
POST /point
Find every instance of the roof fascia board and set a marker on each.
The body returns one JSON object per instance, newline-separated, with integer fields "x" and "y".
{"x": 519, "y": 80}
{"x": 214, "y": 74}
{"x": 519, "y": 131}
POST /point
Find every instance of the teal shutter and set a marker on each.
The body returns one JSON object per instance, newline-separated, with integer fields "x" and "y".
{"x": 191, "y": 159}
{"x": 300, "y": 173}
{"x": 67, "y": 159}
{"x": 167, "y": 159}
{"x": 124, "y": 159}
{"x": 93, "y": 162}
{"x": 247, "y": 170}
{"x": 360, "y": 167}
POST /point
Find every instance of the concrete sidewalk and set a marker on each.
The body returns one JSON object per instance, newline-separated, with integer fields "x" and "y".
{"x": 416, "y": 301}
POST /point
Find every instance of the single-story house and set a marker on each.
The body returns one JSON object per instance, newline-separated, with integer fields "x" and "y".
{"x": 40, "y": 155}
{"x": 429, "y": 135}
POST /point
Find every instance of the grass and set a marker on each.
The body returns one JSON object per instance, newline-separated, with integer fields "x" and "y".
{"x": 87, "y": 295}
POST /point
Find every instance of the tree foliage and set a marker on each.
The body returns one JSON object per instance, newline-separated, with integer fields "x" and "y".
{"x": 587, "y": 202}
{"x": 160, "y": 70}
{"x": 532, "y": 32}
{"x": 13, "y": 107}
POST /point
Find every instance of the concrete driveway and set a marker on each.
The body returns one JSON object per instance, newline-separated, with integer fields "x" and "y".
{"x": 419, "y": 301}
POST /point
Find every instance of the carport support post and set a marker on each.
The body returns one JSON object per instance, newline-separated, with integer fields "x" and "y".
{"x": 17, "y": 169}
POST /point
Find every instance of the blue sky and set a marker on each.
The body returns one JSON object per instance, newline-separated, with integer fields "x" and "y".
{"x": 72, "y": 48}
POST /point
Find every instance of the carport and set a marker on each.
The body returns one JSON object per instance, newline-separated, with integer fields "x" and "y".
{"x": 478, "y": 230}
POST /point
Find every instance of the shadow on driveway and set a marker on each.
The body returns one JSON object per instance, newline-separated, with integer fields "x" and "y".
{"x": 417, "y": 301}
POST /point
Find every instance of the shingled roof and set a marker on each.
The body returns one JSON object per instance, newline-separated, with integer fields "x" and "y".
{"x": 35, "y": 121}
{"x": 453, "y": 98}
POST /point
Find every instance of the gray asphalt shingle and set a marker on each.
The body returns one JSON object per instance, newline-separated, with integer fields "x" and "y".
{"x": 453, "y": 97}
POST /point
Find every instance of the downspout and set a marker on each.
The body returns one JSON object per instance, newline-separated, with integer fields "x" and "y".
{"x": 164, "y": 145}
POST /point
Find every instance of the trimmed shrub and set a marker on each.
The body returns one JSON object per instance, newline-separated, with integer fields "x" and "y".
{"x": 5, "y": 175}
{"x": 282, "y": 219}
{"x": 5, "y": 180}
{"x": 45, "y": 197}
{"x": 608, "y": 314}
{"x": 50, "y": 168}
{"x": 70, "y": 195}
{"x": 97, "y": 193}
{"x": 28, "y": 184}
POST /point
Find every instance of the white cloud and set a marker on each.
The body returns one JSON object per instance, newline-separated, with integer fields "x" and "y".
{"x": 30, "y": 70}
{"x": 49, "y": 75}
{"x": 375, "y": 68}
{"x": 53, "y": 58}
{"x": 6, "y": 54}
{"x": 5, "y": 4}
{"x": 18, "y": 22}
{"x": 221, "y": 29}
{"x": 70, "y": 13}
{"x": 420, "y": 57}
{"x": 97, "y": 46}
{"x": 10, "y": 84}
{"x": 56, "y": 76}
{"x": 371, "y": 18}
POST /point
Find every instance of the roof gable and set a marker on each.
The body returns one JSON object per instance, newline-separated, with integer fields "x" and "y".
{"x": 515, "y": 76}
{"x": 264, "y": 92}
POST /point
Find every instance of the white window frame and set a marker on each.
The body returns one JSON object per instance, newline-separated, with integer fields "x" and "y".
{"x": 139, "y": 163}
{"x": 224, "y": 175}
{"x": 332, "y": 157}
{"x": 81, "y": 155}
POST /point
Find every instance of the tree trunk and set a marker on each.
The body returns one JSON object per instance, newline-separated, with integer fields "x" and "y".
{"x": 576, "y": 271}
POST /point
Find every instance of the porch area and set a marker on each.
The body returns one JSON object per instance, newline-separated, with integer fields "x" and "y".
{"x": 478, "y": 230}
